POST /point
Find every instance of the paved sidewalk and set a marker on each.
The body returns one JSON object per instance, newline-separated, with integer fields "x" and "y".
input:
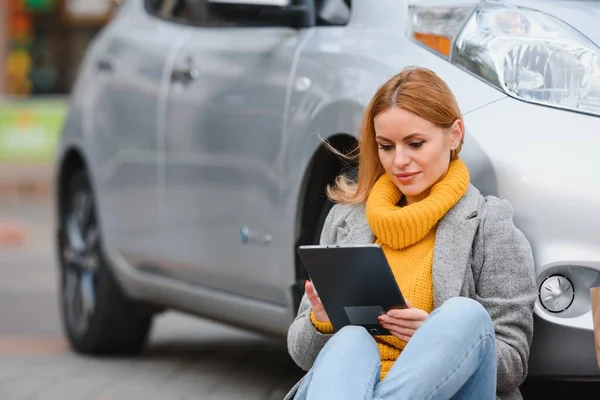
{"x": 187, "y": 359}
{"x": 21, "y": 183}
{"x": 25, "y": 181}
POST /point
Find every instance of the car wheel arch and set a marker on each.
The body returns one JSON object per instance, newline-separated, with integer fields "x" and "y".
{"x": 71, "y": 163}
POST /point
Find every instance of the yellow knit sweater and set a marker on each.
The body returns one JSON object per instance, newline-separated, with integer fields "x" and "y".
{"x": 407, "y": 235}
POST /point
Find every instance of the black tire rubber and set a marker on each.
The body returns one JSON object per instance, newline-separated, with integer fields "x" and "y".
{"x": 117, "y": 326}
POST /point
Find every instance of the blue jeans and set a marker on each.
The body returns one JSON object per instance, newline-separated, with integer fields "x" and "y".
{"x": 451, "y": 356}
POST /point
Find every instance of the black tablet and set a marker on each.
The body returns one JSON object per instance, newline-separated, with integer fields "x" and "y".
{"x": 355, "y": 284}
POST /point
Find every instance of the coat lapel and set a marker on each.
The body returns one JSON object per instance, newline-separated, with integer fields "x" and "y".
{"x": 451, "y": 258}
{"x": 453, "y": 243}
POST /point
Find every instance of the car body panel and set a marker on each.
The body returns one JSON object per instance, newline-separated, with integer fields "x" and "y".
{"x": 222, "y": 159}
{"x": 124, "y": 134}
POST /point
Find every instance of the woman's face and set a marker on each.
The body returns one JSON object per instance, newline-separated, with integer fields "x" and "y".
{"x": 414, "y": 152}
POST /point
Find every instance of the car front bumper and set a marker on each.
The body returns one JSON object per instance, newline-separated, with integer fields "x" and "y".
{"x": 546, "y": 162}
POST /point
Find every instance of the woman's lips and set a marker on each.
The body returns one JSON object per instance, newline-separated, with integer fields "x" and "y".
{"x": 406, "y": 177}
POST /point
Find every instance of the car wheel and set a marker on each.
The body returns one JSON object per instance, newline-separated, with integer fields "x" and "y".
{"x": 97, "y": 317}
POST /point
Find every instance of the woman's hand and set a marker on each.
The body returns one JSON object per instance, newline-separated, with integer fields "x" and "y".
{"x": 315, "y": 302}
{"x": 403, "y": 323}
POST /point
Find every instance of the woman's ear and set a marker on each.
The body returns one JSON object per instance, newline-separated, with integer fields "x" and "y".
{"x": 457, "y": 130}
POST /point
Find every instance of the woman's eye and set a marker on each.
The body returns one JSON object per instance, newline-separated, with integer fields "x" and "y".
{"x": 416, "y": 145}
{"x": 386, "y": 147}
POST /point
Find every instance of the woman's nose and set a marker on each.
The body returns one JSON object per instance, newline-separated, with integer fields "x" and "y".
{"x": 401, "y": 159}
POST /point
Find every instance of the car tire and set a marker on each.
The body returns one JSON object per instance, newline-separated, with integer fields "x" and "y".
{"x": 97, "y": 317}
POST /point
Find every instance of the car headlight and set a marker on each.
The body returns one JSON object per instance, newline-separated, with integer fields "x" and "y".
{"x": 528, "y": 54}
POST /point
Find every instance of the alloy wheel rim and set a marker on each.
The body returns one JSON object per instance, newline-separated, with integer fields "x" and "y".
{"x": 80, "y": 258}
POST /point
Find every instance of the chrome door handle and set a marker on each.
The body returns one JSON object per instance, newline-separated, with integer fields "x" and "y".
{"x": 185, "y": 74}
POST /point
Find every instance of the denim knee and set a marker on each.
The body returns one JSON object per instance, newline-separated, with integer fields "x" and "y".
{"x": 470, "y": 312}
{"x": 355, "y": 335}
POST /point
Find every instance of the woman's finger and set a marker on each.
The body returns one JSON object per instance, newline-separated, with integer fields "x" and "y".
{"x": 400, "y": 323}
{"x": 399, "y": 335}
{"x": 414, "y": 314}
{"x": 315, "y": 302}
{"x": 311, "y": 293}
{"x": 400, "y": 331}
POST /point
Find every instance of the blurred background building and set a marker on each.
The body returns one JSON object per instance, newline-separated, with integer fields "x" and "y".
{"x": 42, "y": 43}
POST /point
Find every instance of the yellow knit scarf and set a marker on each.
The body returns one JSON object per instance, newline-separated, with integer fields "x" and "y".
{"x": 400, "y": 227}
{"x": 407, "y": 237}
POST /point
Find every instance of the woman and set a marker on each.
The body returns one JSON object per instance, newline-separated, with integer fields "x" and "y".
{"x": 464, "y": 267}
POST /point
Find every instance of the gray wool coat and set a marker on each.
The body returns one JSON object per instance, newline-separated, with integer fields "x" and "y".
{"x": 478, "y": 253}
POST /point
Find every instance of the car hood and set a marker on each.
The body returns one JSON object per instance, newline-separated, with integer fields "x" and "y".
{"x": 582, "y": 15}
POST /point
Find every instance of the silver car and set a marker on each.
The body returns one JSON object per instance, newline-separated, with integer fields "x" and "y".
{"x": 192, "y": 164}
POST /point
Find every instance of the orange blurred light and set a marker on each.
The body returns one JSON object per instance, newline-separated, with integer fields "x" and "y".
{"x": 19, "y": 27}
{"x": 439, "y": 43}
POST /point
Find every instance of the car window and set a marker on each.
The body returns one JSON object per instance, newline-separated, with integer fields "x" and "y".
{"x": 207, "y": 13}
{"x": 223, "y": 13}
{"x": 232, "y": 15}
{"x": 189, "y": 12}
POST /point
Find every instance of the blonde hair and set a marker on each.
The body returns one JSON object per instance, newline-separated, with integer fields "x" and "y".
{"x": 416, "y": 90}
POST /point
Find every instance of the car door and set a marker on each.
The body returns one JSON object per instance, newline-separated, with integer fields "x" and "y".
{"x": 129, "y": 66}
{"x": 224, "y": 121}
